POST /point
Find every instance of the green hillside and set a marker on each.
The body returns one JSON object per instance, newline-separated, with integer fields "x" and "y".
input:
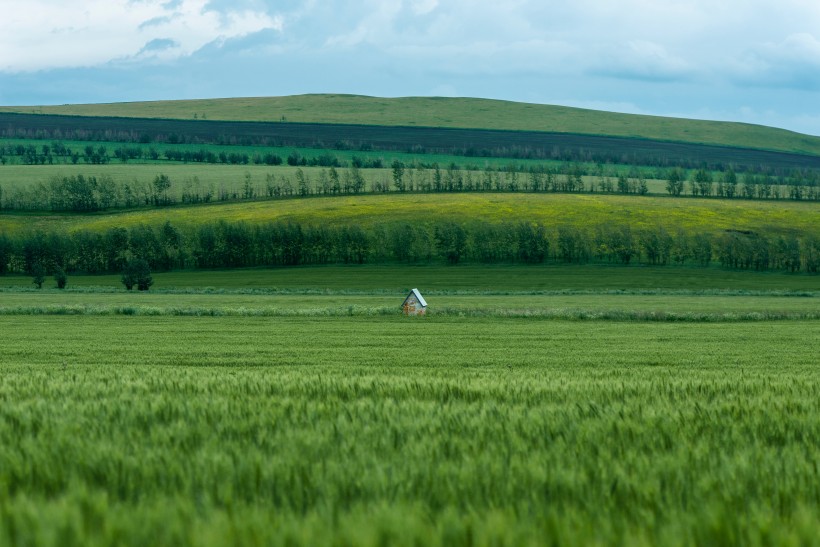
{"x": 695, "y": 215}
{"x": 450, "y": 112}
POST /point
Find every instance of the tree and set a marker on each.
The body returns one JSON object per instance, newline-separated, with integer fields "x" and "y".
{"x": 702, "y": 183}
{"x": 6, "y": 251}
{"x": 451, "y": 240}
{"x": 702, "y": 249}
{"x": 356, "y": 180}
{"x": 674, "y": 182}
{"x": 532, "y": 243}
{"x": 398, "y": 175}
{"x": 137, "y": 273}
{"x": 38, "y": 274}
{"x": 810, "y": 253}
{"x": 302, "y": 182}
{"x": 60, "y": 278}
{"x": 161, "y": 185}
{"x": 643, "y": 189}
{"x": 573, "y": 244}
{"x": 623, "y": 184}
{"x": 323, "y": 184}
{"x": 248, "y": 191}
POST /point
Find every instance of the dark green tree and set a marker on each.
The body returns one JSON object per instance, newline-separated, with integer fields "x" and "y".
{"x": 674, "y": 182}
{"x": 398, "y": 175}
{"x": 161, "y": 185}
{"x": 702, "y": 249}
{"x": 702, "y": 183}
{"x": 6, "y": 251}
{"x": 623, "y": 184}
{"x": 438, "y": 185}
{"x": 60, "y": 278}
{"x": 335, "y": 186}
{"x": 356, "y": 180}
{"x": 137, "y": 273}
{"x": 38, "y": 275}
{"x": 451, "y": 240}
{"x": 302, "y": 183}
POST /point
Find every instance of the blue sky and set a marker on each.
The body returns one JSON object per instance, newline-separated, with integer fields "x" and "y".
{"x": 742, "y": 60}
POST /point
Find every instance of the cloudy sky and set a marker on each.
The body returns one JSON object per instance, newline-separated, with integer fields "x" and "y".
{"x": 744, "y": 60}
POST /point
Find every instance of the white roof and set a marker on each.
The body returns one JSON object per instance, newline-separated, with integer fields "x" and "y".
{"x": 418, "y": 296}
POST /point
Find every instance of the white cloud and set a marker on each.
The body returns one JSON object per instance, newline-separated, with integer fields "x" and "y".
{"x": 423, "y": 7}
{"x": 54, "y": 34}
{"x": 642, "y": 60}
{"x": 374, "y": 27}
{"x": 792, "y": 62}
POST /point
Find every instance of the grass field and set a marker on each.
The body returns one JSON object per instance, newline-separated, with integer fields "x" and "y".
{"x": 373, "y": 431}
{"x": 694, "y": 215}
{"x": 318, "y": 426}
{"x": 659, "y": 306}
{"x": 450, "y": 112}
{"x": 477, "y": 279}
{"x": 231, "y": 177}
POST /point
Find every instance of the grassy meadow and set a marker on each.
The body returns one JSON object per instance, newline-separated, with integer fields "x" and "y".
{"x": 474, "y": 278}
{"x": 231, "y": 178}
{"x": 449, "y": 112}
{"x": 644, "y": 212}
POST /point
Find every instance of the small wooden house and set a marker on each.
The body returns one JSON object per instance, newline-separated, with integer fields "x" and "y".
{"x": 414, "y": 304}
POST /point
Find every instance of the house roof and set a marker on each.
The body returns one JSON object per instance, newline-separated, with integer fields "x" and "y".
{"x": 419, "y": 297}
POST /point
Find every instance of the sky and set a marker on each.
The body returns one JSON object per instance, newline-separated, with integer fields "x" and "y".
{"x": 755, "y": 61}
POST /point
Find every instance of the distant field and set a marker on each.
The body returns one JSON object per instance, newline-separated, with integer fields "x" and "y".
{"x": 657, "y": 307}
{"x": 698, "y": 215}
{"x": 230, "y": 178}
{"x": 447, "y": 112}
{"x": 476, "y": 279}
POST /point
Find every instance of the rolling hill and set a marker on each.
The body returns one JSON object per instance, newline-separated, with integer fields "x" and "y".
{"x": 454, "y": 113}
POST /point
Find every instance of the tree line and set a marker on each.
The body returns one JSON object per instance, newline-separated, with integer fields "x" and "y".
{"x": 476, "y": 143}
{"x": 237, "y": 244}
{"x": 58, "y": 152}
{"x": 81, "y": 193}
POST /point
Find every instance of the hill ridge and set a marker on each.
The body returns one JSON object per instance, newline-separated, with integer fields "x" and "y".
{"x": 447, "y": 112}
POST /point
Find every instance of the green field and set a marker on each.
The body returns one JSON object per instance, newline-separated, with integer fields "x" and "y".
{"x": 309, "y": 411}
{"x": 374, "y": 431}
{"x": 658, "y": 306}
{"x": 228, "y": 177}
{"x": 447, "y": 112}
{"x": 479, "y": 279}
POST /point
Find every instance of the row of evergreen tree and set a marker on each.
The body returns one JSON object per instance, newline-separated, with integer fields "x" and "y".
{"x": 233, "y": 245}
